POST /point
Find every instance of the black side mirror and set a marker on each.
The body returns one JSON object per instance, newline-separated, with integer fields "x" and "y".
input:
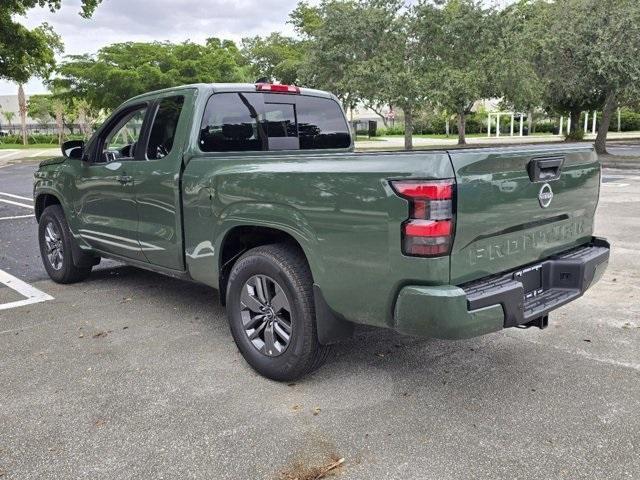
{"x": 73, "y": 149}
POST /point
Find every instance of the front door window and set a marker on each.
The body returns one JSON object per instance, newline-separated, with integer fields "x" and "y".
{"x": 121, "y": 140}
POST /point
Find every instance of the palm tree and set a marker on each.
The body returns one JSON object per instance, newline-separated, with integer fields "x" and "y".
{"x": 58, "y": 110}
{"x": 9, "y": 116}
{"x": 22, "y": 106}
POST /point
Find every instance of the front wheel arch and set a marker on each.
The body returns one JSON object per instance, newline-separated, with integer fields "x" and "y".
{"x": 44, "y": 200}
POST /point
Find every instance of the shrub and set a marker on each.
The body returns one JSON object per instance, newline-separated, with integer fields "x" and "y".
{"x": 37, "y": 138}
{"x": 575, "y": 136}
{"x": 397, "y": 129}
{"x": 475, "y": 124}
{"x": 11, "y": 139}
{"x": 545, "y": 126}
{"x": 629, "y": 121}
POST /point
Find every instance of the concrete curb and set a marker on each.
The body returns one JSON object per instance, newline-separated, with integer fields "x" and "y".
{"x": 631, "y": 165}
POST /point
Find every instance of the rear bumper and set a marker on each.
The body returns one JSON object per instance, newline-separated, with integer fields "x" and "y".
{"x": 497, "y": 302}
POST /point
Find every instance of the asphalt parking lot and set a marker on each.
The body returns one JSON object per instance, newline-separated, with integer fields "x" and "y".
{"x": 135, "y": 375}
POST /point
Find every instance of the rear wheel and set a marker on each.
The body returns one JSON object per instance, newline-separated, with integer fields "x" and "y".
{"x": 271, "y": 312}
{"x": 56, "y": 248}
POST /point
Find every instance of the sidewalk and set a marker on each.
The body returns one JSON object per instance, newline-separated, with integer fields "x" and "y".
{"x": 384, "y": 143}
{"x": 10, "y": 155}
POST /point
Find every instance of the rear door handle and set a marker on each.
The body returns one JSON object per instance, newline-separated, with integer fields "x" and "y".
{"x": 545, "y": 169}
{"x": 124, "y": 179}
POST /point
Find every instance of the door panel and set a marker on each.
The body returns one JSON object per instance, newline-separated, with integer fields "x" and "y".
{"x": 108, "y": 213}
{"x": 106, "y": 204}
{"x": 157, "y": 183}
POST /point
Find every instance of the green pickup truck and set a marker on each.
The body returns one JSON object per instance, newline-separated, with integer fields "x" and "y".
{"x": 254, "y": 190}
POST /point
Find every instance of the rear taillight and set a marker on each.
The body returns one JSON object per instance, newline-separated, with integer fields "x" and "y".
{"x": 276, "y": 88}
{"x": 429, "y": 230}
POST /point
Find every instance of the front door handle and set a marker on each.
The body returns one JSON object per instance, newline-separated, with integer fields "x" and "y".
{"x": 124, "y": 179}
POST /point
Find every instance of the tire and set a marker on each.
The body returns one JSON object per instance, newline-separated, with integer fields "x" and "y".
{"x": 268, "y": 272}
{"x": 56, "y": 248}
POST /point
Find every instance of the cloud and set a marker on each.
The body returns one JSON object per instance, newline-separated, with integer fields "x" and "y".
{"x": 157, "y": 20}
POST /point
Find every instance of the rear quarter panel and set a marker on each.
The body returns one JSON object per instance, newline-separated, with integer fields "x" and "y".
{"x": 339, "y": 207}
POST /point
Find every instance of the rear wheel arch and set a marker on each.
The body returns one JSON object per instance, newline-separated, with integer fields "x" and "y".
{"x": 242, "y": 238}
{"x": 331, "y": 327}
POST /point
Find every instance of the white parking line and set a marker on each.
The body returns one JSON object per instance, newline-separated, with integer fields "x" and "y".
{"x": 19, "y": 197}
{"x": 11, "y": 202}
{"x": 32, "y": 294}
{"x": 7, "y": 153}
{"x": 15, "y": 217}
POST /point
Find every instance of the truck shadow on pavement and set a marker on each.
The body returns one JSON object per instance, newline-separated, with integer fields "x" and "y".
{"x": 184, "y": 305}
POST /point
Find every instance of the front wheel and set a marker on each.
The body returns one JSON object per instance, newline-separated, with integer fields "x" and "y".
{"x": 271, "y": 312}
{"x": 56, "y": 248}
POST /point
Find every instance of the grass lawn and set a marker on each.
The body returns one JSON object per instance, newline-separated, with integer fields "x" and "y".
{"x": 19, "y": 146}
{"x": 469, "y": 135}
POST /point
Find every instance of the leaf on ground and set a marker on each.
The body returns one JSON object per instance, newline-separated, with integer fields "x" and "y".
{"x": 302, "y": 472}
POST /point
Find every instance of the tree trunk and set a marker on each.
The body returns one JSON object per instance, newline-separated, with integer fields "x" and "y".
{"x": 22, "y": 106}
{"x": 530, "y": 122}
{"x": 575, "y": 121}
{"x": 59, "y": 111}
{"x": 462, "y": 124}
{"x": 603, "y": 128}
{"x": 408, "y": 128}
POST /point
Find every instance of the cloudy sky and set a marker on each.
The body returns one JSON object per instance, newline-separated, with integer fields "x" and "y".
{"x": 148, "y": 20}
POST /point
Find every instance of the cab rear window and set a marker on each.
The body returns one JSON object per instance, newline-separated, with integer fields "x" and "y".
{"x": 241, "y": 121}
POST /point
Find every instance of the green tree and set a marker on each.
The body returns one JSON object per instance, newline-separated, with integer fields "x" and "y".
{"x": 40, "y": 108}
{"x": 560, "y": 58}
{"x": 26, "y": 53}
{"x": 367, "y": 51}
{"x": 33, "y": 50}
{"x": 275, "y": 57}
{"x": 583, "y": 54}
{"x": 122, "y": 70}
{"x": 610, "y": 34}
{"x": 44, "y": 108}
{"x": 9, "y": 117}
{"x": 329, "y": 58}
{"x": 518, "y": 82}
{"x": 464, "y": 71}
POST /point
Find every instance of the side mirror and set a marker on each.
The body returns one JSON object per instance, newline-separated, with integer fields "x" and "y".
{"x": 73, "y": 149}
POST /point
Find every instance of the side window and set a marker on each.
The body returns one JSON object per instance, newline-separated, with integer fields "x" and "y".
{"x": 164, "y": 127}
{"x": 119, "y": 142}
{"x": 230, "y": 124}
{"x": 321, "y": 124}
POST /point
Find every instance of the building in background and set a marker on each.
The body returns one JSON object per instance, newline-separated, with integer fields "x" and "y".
{"x": 9, "y": 103}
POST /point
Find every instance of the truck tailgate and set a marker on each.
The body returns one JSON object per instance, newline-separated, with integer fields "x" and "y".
{"x": 516, "y": 206}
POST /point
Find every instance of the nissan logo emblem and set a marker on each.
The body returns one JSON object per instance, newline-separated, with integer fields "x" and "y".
{"x": 545, "y": 195}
